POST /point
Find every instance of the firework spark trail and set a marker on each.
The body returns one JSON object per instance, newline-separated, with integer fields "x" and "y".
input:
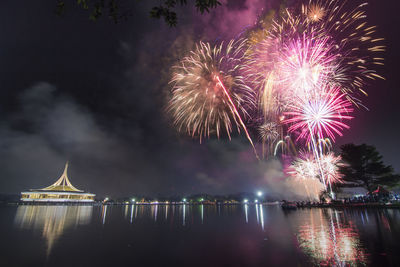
{"x": 325, "y": 144}
{"x": 288, "y": 144}
{"x": 317, "y": 156}
{"x": 237, "y": 115}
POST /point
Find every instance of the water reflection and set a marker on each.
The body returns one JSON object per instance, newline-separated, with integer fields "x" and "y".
{"x": 126, "y": 211}
{"x": 246, "y": 213}
{"x": 155, "y": 211}
{"x": 202, "y": 213}
{"x": 132, "y": 207}
{"x": 184, "y": 215}
{"x": 261, "y": 216}
{"x": 104, "y": 213}
{"x": 52, "y": 221}
{"x": 165, "y": 213}
{"x": 323, "y": 236}
{"x": 258, "y": 217}
{"x": 329, "y": 241}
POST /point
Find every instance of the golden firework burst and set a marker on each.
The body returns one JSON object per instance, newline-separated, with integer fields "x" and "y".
{"x": 315, "y": 13}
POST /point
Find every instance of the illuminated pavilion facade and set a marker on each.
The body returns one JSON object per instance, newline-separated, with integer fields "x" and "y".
{"x": 61, "y": 191}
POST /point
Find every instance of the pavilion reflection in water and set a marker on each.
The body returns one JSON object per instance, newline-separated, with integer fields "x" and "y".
{"x": 52, "y": 221}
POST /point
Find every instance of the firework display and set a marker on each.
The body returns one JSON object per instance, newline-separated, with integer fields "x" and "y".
{"x": 330, "y": 166}
{"x": 209, "y": 94}
{"x": 269, "y": 131}
{"x": 269, "y": 134}
{"x": 304, "y": 167}
{"x": 304, "y": 70}
{"x": 320, "y": 115}
{"x": 325, "y": 169}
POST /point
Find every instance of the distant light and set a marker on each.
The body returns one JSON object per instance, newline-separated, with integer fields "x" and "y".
{"x": 259, "y": 193}
{"x": 256, "y": 201}
{"x": 133, "y": 200}
{"x": 245, "y": 200}
{"x": 202, "y": 199}
{"x": 184, "y": 200}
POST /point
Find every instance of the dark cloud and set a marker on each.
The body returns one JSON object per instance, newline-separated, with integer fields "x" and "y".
{"x": 53, "y": 128}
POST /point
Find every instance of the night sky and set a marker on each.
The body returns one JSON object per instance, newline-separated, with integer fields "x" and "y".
{"x": 94, "y": 93}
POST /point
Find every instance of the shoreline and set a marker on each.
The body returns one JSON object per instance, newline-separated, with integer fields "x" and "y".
{"x": 298, "y": 205}
{"x": 352, "y": 205}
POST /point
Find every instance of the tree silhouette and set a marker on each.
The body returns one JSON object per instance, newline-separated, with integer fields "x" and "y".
{"x": 116, "y": 11}
{"x": 364, "y": 166}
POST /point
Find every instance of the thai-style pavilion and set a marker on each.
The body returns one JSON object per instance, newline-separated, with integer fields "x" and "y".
{"x": 61, "y": 191}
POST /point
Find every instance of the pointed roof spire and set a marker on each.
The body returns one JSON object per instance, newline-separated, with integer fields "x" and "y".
{"x": 66, "y": 168}
{"x": 63, "y": 183}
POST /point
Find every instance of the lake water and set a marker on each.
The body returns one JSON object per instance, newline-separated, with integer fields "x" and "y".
{"x": 159, "y": 235}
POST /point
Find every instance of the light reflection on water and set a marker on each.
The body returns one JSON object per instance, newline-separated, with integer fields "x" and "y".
{"x": 202, "y": 213}
{"x": 329, "y": 241}
{"x": 324, "y": 236}
{"x": 260, "y": 207}
{"x": 246, "y": 208}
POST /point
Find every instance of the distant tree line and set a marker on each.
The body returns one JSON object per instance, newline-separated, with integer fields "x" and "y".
{"x": 196, "y": 198}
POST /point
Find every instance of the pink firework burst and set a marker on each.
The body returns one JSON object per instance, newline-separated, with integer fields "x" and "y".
{"x": 305, "y": 64}
{"x": 330, "y": 166}
{"x": 321, "y": 114}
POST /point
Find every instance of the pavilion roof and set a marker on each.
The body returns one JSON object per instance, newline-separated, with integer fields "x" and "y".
{"x": 62, "y": 184}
